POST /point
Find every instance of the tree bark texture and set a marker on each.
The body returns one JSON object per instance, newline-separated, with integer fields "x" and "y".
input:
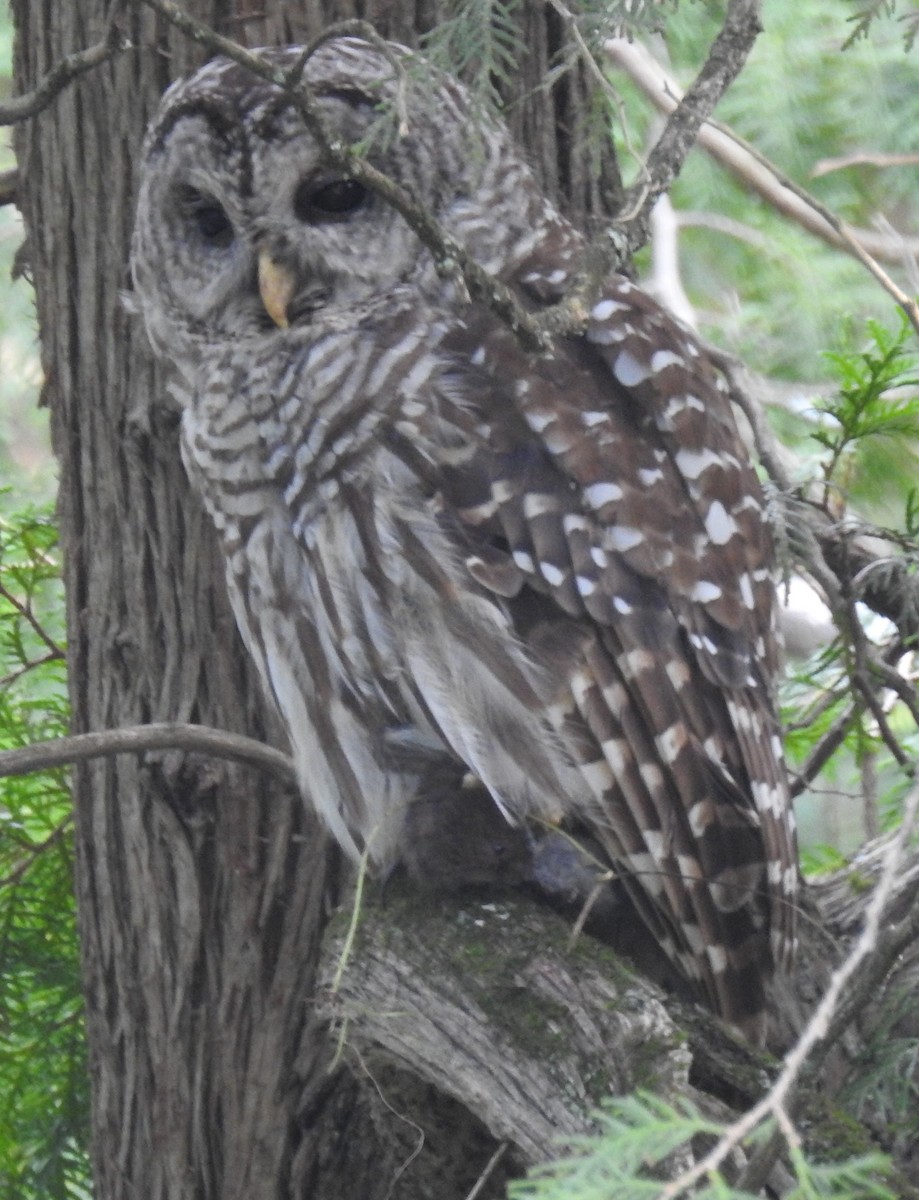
{"x": 203, "y": 887}
{"x": 200, "y": 885}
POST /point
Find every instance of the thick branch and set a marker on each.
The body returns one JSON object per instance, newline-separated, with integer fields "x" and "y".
{"x": 489, "y": 1003}
{"x": 530, "y": 1036}
{"x": 21, "y": 108}
{"x": 137, "y": 739}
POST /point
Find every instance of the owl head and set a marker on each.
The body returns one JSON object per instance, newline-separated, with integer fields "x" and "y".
{"x": 243, "y": 224}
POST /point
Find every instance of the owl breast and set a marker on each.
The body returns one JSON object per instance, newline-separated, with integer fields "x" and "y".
{"x": 352, "y": 592}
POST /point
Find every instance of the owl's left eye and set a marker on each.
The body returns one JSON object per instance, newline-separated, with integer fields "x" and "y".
{"x": 333, "y": 200}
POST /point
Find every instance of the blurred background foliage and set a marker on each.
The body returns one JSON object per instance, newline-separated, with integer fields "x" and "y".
{"x": 44, "y": 1086}
{"x": 26, "y": 464}
{"x": 771, "y": 292}
{"x": 795, "y": 309}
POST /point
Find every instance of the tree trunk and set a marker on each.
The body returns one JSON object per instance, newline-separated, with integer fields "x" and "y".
{"x": 203, "y": 888}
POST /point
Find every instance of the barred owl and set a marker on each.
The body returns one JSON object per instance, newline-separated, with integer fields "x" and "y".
{"x": 542, "y": 575}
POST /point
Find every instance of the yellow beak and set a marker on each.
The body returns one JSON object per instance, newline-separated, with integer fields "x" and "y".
{"x": 276, "y": 286}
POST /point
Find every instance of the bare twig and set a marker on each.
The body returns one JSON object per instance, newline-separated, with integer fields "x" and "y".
{"x": 864, "y": 677}
{"x": 822, "y": 1023}
{"x": 30, "y": 665}
{"x": 871, "y": 673}
{"x": 722, "y": 223}
{"x": 25, "y": 611}
{"x": 864, "y": 158}
{"x": 842, "y": 552}
{"x": 739, "y": 157}
{"x": 758, "y": 172}
{"x": 400, "y": 1116}
{"x": 863, "y": 682}
{"x": 853, "y": 242}
{"x": 136, "y": 739}
{"x": 768, "y": 447}
{"x": 823, "y": 751}
{"x": 859, "y": 994}
{"x": 366, "y": 32}
{"x": 832, "y": 552}
{"x": 20, "y": 108}
{"x": 904, "y": 690}
{"x": 35, "y": 852}
{"x": 480, "y": 1183}
{"x": 587, "y": 57}
{"x": 864, "y": 990}
{"x": 726, "y": 57}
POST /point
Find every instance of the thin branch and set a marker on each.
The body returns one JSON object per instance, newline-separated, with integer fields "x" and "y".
{"x": 364, "y": 30}
{"x": 863, "y": 682}
{"x": 726, "y": 57}
{"x": 25, "y": 611}
{"x": 400, "y": 1116}
{"x": 768, "y": 448}
{"x": 721, "y": 223}
{"x": 858, "y": 996}
{"x": 829, "y": 695}
{"x": 599, "y": 78}
{"x": 865, "y": 678}
{"x": 755, "y": 170}
{"x": 35, "y": 852}
{"x": 852, "y": 242}
{"x": 894, "y": 940}
{"x": 893, "y": 594}
{"x": 28, "y": 666}
{"x": 821, "y": 1024}
{"x": 137, "y": 739}
{"x": 834, "y": 737}
{"x": 480, "y": 1183}
{"x": 750, "y": 166}
{"x": 904, "y": 690}
{"x": 865, "y": 158}
{"x": 21, "y": 108}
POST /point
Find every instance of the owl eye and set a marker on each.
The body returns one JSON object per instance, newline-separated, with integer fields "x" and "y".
{"x": 207, "y": 216}
{"x": 332, "y": 201}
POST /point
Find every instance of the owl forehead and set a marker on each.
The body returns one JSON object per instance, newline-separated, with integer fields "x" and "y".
{"x": 206, "y": 139}
{"x": 238, "y": 104}
{"x": 246, "y": 118}
{"x": 254, "y": 129}
{"x": 233, "y": 96}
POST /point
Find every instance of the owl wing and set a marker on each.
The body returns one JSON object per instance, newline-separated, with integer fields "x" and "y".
{"x": 610, "y": 503}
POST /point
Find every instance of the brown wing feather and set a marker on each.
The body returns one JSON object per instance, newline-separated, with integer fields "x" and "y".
{"x": 611, "y": 481}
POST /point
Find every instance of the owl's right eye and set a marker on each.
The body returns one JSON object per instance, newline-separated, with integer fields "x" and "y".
{"x": 328, "y": 201}
{"x": 208, "y": 217}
